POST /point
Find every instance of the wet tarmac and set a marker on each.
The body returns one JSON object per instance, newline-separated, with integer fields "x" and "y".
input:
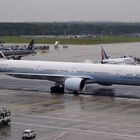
{"x": 69, "y": 117}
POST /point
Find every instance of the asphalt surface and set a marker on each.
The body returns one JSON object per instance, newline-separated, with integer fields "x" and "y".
{"x": 69, "y": 117}
{"x": 99, "y": 113}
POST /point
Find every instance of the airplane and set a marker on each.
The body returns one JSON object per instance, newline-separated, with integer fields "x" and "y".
{"x": 105, "y": 59}
{"x": 18, "y": 53}
{"x": 71, "y": 76}
{"x": 56, "y": 44}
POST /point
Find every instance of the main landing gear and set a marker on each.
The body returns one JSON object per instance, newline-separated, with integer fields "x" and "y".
{"x": 57, "y": 89}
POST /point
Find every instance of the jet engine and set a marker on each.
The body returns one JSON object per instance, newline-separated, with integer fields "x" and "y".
{"x": 74, "y": 84}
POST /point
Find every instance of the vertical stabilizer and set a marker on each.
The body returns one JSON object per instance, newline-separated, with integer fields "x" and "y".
{"x": 31, "y": 45}
{"x": 104, "y": 54}
{"x": 2, "y": 55}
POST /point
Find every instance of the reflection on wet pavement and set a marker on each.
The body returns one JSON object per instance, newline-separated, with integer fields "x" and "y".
{"x": 98, "y": 116}
{"x": 70, "y": 117}
{"x": 5, "y": 131}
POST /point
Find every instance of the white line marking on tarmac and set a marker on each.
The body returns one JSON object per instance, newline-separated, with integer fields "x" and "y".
{"x": 61, "y": 135}
{"x": 76, "y": 120}
{"x": 78, "y": 130}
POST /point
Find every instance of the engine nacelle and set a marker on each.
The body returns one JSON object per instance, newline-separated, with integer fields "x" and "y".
{"x": 74, "y": 84}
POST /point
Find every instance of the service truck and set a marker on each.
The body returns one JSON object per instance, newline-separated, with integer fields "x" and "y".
{"x": 5, "y": 115}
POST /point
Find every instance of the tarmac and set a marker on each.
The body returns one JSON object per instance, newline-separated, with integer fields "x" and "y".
{"x": 99, "y": 113}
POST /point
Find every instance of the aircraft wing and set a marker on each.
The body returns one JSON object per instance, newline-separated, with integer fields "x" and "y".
{"x": 51, "y": 77}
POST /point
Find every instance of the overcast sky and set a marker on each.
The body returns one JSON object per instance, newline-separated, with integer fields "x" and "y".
{"x": 69, "y": 10}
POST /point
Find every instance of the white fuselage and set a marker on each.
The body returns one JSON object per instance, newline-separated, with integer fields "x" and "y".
{"x": 105, "y": 59}
{"x": 127, "y": 60}
{"x": 105, "y": 74}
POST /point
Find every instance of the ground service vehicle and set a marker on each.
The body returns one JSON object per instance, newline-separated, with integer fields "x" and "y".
{"x": 28, "y": 133}
{"x": 5, "y": 115}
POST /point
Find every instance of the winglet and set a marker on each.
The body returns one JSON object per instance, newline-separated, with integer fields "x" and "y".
{"x": 2, "y": 55}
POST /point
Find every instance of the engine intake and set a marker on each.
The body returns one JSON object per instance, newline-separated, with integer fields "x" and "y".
{"x": 74, "y": 84}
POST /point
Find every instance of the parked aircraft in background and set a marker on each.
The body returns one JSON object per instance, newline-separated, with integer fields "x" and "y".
{"x": 72, "y": 76}
{"x": 105, "y": 59}
{"x": 56, "y": 44}
{"x": 18, "y": 52}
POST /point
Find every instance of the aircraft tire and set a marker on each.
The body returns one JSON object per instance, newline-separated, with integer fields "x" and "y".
{"x": 57, "y": 89}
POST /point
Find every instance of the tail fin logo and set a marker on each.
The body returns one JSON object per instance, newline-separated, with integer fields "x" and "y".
{"x": 104, "y": 54}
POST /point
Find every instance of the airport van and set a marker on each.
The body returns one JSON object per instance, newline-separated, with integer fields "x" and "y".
{"x": 28, "y": 133}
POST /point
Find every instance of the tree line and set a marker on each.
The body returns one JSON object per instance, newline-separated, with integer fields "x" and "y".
{"x": 69, "y": 28}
